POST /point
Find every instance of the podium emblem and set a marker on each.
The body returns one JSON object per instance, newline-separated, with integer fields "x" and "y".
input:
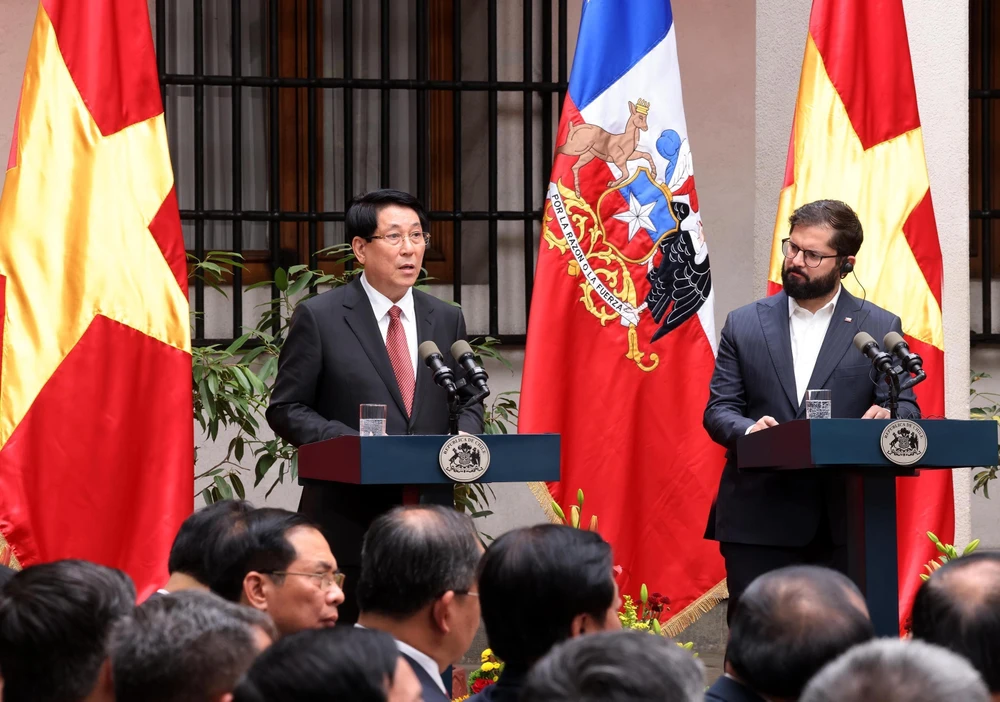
{"x": 904, "y": 442}
{"x": 464, "y": 458}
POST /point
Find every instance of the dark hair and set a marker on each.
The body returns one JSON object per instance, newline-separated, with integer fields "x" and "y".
{"x": 363, "y": 211}
{"x": 55, "y": 619}
{"x": 185, "y": 647}
{"x": 323, "y": 665}
{"x": 890, "y": 670}
{"x": 203, "y": 534}
{"x": 6, "y": 574}
{"x": 534, "y": 581}
{"x": 790, "y": 623}
{"x": 264, "y": 547}
{"x": 616, "y": 666}
{"x": 413, "y": 555}
{"x": 959, "y": 608}
{"x": 839, "y": 217}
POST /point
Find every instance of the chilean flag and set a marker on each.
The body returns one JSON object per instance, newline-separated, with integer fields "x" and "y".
{"x": 623, "y": 297}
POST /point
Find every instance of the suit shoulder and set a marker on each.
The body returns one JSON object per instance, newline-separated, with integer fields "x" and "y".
{"x": 435, "y": 303}
{"x": 325, "y": 300}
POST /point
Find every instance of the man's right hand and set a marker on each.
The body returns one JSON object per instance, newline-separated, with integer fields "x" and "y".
{"x": 763, "y": 423}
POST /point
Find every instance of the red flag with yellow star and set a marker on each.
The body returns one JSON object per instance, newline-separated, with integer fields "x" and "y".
{"x": 856, "y": 137}
{"x": 96, "y": 430}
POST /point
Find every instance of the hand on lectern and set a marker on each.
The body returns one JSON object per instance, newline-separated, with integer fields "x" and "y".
{"x": 876, "y": 412}
{"x": 763, "y": 423}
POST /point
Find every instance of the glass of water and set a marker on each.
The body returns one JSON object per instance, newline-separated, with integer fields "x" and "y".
{"x": 819, "y": 404}
{"x": 372, "y": 420}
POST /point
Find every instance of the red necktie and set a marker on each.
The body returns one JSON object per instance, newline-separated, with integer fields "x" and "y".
{"x": 399, "y": 357}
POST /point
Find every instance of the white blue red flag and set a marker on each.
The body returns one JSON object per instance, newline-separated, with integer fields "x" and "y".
{"x": 623, "y": 297}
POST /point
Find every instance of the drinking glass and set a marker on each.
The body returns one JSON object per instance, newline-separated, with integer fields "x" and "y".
{"x": 372, "y": 420}
{"x": 819, "y": 404}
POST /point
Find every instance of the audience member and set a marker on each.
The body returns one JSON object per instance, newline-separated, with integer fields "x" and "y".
{"x": 959, "y": 608}
{"x": 186, "y": 647}
{"x": 537, "y": 587}
{"x": 55, "y": 619}
{"x": 327, "y": 666}
{"x": 788, "y": 624}
{"x": 890, "y": 670}
{"x": 283, "y": 566}
{"x": 418, "y": 583}
{"x": 203, "y": 544}
{"x": 616, "y": 666}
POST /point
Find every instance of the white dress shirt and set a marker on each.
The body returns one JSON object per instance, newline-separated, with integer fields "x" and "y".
{"x": 807, "y": 331}
{"x": 381, "y": 306}
{"x": 429, "y": 665}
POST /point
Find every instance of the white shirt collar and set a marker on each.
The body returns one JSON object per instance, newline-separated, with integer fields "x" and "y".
{"x": 826, "y": 309}
{"x": 429, "y": 665}
{"x": 381, "y": 304}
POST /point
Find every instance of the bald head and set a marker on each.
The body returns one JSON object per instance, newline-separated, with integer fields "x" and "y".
{"x": 413, "y": 555}
{"x": 790, "y": 623}
{"x": 959, "y": 608}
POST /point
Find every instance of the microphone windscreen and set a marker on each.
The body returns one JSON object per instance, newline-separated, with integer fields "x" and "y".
{"x": 460, "y": 348}
{"x": 428, "y": 349}
{"x": 891, "y": 340}
{"x": 861, "y": 340}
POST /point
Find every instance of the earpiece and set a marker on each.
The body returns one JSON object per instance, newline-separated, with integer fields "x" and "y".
{"x": 845, "y": 268}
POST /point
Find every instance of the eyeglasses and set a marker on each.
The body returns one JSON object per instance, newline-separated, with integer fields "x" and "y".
{"x": 396, "y": 239}
{"x": 326, "y": 580}
{"x": 812, "y": 258}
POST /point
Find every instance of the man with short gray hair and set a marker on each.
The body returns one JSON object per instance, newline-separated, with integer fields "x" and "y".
{"x": 616, "y": 666}
{"x": 889, "y": 670}
{"x": 189, "y": 646}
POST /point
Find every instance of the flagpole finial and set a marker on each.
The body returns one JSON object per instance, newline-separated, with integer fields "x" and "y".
{"x": 642, "y": 107}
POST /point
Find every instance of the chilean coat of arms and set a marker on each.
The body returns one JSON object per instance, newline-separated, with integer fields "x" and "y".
{"x": 638, "y": 247}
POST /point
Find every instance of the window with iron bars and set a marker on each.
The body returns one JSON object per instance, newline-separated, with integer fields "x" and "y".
{"x": 984, "y": 187}
{"x": 280, "y": 111}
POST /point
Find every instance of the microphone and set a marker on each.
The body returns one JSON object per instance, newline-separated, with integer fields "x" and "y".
{"x": 869, "y": 347}
{"x": 897, "y": 345}
{"x": 462, "y": 352}
{"x": 443, "y": 375}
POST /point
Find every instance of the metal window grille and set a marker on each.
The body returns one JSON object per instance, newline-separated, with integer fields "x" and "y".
{"x": 983, "y": 126}
{"x": 548, "y": 84}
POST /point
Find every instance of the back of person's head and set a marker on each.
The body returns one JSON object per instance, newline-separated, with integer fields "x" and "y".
{"x": 890, "y": 670}
{"x": 959, "y": 608}
{"x": 411, "y": 556}
{"x": 6, "y": 574}
{"x": 543, "y": 584}
{"x": 55, "y": 619}
{"x": 616, "y": 666}
{"x": 185, "y": 647}
{"x": 263, "y": 546}
{"x": 206, "y": 537}
{"x": 791, "y": 622}
{"x": 361, "y": 665}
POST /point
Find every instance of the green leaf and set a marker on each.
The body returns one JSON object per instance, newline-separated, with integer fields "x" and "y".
{"x": 264, "y": 464}
{"x": 973, "y": 545}
{"x": 238, "y": 343}
{"x": 238, "y": 486}
{"x": 224, "y": 489}
{"x": 300, "y": 284}
{"x": 269, "y": 369}
{"x": 239, "y": 449}
{"x": 281, "y": 279}
{"x": 206, "y": 495}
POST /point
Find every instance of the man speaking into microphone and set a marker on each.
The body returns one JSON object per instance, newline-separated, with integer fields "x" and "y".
{"x": 770, "y": 353}
{"x": 357, "y": 344}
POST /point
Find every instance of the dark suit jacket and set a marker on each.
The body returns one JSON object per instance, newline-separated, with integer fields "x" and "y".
{"x": 335, "y": 360}
{"x": 431, "y": 691}
{"x": 754, "y": 376}
{"x": 728, "y": 690}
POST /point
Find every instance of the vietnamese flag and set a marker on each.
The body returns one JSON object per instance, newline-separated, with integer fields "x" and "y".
{"x": 856, "y": 137}
{"x": 96, "y": 430}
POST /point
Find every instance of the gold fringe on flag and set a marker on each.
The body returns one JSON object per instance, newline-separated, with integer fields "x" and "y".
{"x": 680, "y": 621}
{"x": 7, "y": 556}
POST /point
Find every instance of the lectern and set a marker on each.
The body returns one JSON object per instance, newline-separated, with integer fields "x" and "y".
{"x": 412, "y": 460}
{"x": 855, "y": 447}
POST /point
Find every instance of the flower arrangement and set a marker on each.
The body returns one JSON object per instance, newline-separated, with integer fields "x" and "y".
{"x": 486, "y": 674}
{"x": 948, "y": 553}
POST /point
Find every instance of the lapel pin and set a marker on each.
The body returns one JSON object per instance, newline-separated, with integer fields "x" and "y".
{"x": 847, "y": 319}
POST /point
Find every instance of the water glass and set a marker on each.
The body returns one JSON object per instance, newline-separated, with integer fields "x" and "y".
{"x": 372, "y": 420}
{"x": 819, "y": 404}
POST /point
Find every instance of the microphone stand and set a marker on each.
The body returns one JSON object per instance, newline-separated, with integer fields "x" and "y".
{"x": 896, "y": 385}
{"x": 456, "y": 404}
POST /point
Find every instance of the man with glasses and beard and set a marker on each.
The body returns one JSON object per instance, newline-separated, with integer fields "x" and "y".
{"x": 770, "y": 353}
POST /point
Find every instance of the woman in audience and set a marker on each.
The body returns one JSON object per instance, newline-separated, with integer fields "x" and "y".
{"x": 330, "y": 665}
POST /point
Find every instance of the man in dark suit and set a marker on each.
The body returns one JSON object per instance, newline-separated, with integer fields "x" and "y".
{"x": 357, "y": 344}
{"x": 770, "y": 353}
